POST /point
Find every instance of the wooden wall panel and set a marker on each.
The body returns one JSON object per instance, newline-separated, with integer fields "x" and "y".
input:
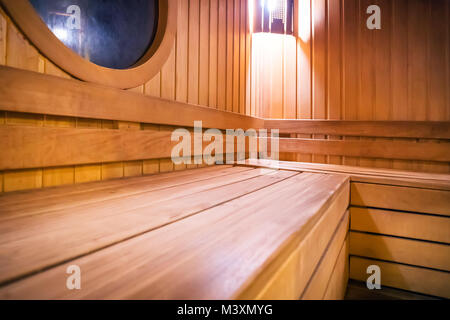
{"x": 207, "y": 66}
{"x": 345, "y": 71}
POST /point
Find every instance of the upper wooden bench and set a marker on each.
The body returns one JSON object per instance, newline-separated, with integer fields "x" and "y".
{"x": 220, "y": 232}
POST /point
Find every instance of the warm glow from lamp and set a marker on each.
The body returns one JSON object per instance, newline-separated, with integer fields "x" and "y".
{"x": 304, "y": 22}
{"x": 271, "y": 5}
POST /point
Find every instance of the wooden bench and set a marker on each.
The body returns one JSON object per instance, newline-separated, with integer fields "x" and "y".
{"x": 400, "y": 221}
{"x": 219, "y": 232}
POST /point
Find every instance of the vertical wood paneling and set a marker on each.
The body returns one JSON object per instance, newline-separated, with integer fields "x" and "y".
{"x": 19, "y": 53}
{"x": 438, "y": 53}
{"x": 248, "y": 60}
{"x": 2, "y": 39}
{"x": 382, "y": 108}
{"x": 230, "y": 54}
{"x": 208, "y": 65}
{"x": 367, "y": 74}
{"x": 204, "y": 53}
{"x": 193, "y": 54}
{"x": 213, "y": 52}
{"x": 222, "y": 55}
{"x": 168, "y": 77}
{"x": 242, "y": 54}
{"x": 304, "y": 68}
{"x": 334, "y": 67}
{"x": 346, "y": 71}
{"x": 319, "y": 64}
{"x": 417, "y": 59}
{"x": 153, "y": 87}
{"x": 236, "y": 54}
{"x": 182, "y": 51}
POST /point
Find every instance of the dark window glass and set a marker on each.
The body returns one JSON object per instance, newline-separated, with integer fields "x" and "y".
{"x": 110, "y": 33}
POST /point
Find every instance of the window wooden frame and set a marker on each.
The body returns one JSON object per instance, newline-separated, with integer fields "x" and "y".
{"x": 34, "y": 28}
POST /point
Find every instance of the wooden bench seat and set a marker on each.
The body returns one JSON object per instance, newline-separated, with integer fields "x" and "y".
{"x": 400, "y": 221}
{"x": 220, "y": 232}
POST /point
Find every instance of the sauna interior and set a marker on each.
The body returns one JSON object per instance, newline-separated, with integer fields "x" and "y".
{"x": 346, "y": 197}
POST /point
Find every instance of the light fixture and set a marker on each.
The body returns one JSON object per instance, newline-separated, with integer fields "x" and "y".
{"x": 273, "y": 16}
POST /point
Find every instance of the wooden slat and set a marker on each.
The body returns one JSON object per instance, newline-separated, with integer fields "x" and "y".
{"x": 408, "y": 150}
{"x": 35, "y": 147}
{"x": 287, "y": 281}
{"x": 34, "y": 204}
{"x": 402, "y": 224}
{"x": 406, "y": 251}
{"x": 432, "y": 282}
{"x": 74, "y": 231}
{"x": 337, "y": 286}
{"x": 318, "y": 283}
{"x": 400, "y": 198}
{"x": 224, "y": 248}
{"x": 368, "y": 175}
{"x": 387, "y": 129}
{"x": 49, "y": 194}
{"x": 25, "y": 91}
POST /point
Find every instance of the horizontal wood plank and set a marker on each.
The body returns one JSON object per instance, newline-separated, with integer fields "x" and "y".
{"x": 71, "y": 232}
{"x": 387, "y": 129}
{"x": 381, "y": 149}
{"x": 400, "y": 198}
{"x": 224, "y": 248}
{"x": 37, "y": 147}
{"x": 438, "y": 181}
{"x": 406, "y": 251}
{"x": 401, "y": 224}
{"x": 289, "y": 280}
{"x": 34, "y": 204}
{"x": 415, "y": 279}
{"x": 31, "y": 92}
{"x": 73, "y": 191}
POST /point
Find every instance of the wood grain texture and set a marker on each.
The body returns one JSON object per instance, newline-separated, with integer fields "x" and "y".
{"x": 388, "y": 129}
{"x": 50, "y": 147}
{"x": 400, "y": 198}
{"x": 33, "y": 93}
{"x": 406, "y": 150}
{"x": 282, "y": 279}
{"x": 49, "y": 195}
{"x": 201, "y": 235}
{"x": 25, "y": 204}
{"x": 337, "y": 286}
{"x": 317, "y": 285}
{"x": 433, "y": 181}
{"x": 401, "y": 224}
{"x": 88, "y": 227}
{"x": 432, "y": 282}
{"x": 346, "y": 72}
{"x": 406, "y": 251}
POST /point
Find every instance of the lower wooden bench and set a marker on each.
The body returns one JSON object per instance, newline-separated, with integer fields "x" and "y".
{"x": 213, "y": 233}
{"x": 400, "y": 221}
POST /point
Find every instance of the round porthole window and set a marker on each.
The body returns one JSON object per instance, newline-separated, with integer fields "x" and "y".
{"x": 121, "y": 43}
